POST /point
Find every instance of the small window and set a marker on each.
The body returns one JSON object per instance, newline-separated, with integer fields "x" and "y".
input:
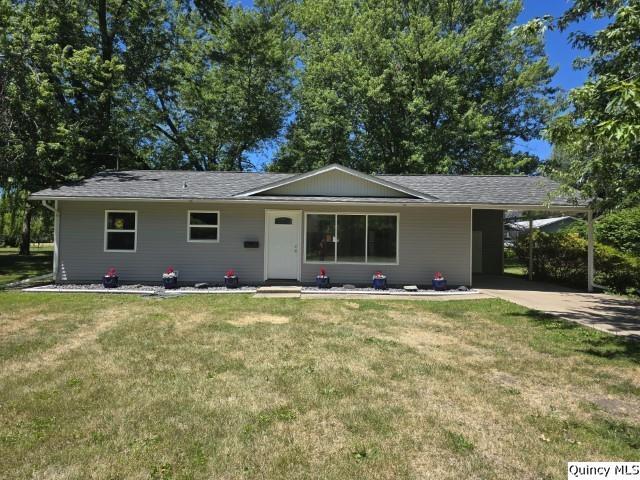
{"x": 120, "y": 231}
{"x": 284, "y": 221}
{"x": 203, "y": 226}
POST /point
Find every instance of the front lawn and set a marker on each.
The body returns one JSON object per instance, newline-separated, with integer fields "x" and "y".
{"x": 99, "y": 386}
{"x": 14, "y": 267}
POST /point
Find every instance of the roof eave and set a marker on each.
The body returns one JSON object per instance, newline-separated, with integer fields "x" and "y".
{"x": 258, "y": 200}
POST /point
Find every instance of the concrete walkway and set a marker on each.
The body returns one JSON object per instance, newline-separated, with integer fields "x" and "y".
{"x": 608, "y": 313}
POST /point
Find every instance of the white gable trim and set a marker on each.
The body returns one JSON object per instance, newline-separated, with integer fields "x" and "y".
{"x": 363, "y": 176}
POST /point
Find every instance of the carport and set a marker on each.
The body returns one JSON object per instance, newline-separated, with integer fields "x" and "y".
{"x": 487, "y": 238}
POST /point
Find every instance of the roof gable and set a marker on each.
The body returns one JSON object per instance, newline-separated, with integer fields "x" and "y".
{"x": 336, "y": 181}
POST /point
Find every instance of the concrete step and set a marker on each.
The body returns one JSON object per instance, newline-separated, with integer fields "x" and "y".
{"x": 279, "y": 289}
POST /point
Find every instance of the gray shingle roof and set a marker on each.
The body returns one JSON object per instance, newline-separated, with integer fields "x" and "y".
{"x": 182, "y": 185}
{"x": 485, "y": 189}
{"x": 170, "y": 184}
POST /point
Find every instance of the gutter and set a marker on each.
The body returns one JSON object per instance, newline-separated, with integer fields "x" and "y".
{"x": 254, "y": 201}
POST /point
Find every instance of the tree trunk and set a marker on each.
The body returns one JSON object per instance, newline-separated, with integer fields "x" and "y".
{"x": 25, "y": 237}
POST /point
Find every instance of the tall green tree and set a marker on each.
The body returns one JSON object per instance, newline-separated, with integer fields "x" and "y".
{"x": 41, "y": 133}
{"x": 598, "y": 133}
{"x": 93, "y": 85}
{"x": 219, "y": 93}
{"x": 416, "y": 86}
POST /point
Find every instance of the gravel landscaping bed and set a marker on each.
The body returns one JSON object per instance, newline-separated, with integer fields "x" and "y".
{"x": 137, "y": 288}
{"x": 388, "y": 291}
{"x": 159, "y": 290}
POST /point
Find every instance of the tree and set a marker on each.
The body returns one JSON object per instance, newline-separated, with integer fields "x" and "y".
{"x": 94, "y": 85}
{"x": 40, "y": 134}
{"x": 598, "y": 131}
{"x": 416, "y": 86}
{"x": 217, "y": 94}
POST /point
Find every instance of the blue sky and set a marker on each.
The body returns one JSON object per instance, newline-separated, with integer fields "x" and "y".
{"x": 559, "y": 51}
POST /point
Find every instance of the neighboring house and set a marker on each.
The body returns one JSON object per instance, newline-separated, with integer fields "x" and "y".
{"x": 284, "y": 226}
{"x": 547, "y": 225}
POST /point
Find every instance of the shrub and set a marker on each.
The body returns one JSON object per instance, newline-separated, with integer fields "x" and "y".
{"x": 620, "y": 229}
{"x": 562, "y": 257}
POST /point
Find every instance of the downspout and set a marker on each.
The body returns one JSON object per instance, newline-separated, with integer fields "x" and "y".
{"x": 590, "y": 251}
{"x": 56, "y": 239}
{"x": 530, "y": 247}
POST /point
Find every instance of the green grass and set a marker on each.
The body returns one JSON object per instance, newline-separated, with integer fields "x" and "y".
{"x": 512, "y": 265}
{"x": 14, "y": 267}
{"x": 99, "y": 386}
{"x": 517, "y": 270}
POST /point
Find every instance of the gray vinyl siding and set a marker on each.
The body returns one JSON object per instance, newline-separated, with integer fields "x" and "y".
{"x": 431, "y": 239}
{"x": 161, "y": 242}
{"x": 335, "y": 184}
{"x": 491, "y": 223}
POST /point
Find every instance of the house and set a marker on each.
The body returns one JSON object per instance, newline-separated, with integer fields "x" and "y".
{"x": 270, "y": 226}
{"x": 547, "y": 225}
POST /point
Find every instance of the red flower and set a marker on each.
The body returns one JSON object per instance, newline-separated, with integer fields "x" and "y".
{"x": 169, "y": 270}
{"x": 323, "y": 272}
{"x": 230, "y": 273}
{"x": 111, "y": 272}
{"x": 378, "y": 274}
{"x": 438, "y": 276}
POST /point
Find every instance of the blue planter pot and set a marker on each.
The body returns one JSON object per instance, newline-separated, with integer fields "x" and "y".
{"x": 109, "y": 282}
{"x": 231, "y": 282}
{"x": 170, "y": 283}
{"x": 439, "y": 284}
{"x": 379, "y": 283}
{"x": 323, "y": 282}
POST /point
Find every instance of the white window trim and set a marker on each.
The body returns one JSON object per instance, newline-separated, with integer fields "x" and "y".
{"x": 113, "y": 230}
{"x": 189, "y": 226}
{"x": 366, "y": 239}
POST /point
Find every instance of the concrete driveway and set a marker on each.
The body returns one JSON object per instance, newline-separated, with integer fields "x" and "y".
{"x": 609, "y": 313}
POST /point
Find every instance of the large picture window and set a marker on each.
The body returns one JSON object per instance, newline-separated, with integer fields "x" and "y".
{"x": 203, "y": 226}
{"x": 351, "y": 238}
{"x": 120, "y": 230}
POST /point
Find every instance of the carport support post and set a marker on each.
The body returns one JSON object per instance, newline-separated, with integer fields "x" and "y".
{"x": 530, "y": 247}
{"x": 590, "y": 251}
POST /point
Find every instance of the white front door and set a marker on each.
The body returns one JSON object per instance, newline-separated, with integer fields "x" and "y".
{"x": 282, "y": 244}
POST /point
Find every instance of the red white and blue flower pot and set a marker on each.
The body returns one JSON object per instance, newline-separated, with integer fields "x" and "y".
{"x": 170, "y": 282}
{"x": 110, "y": 281}
{"x": 322, "y": 281}
{"x": 379, "y": 283}
{"x": 439, "y": 284}
{"x": 231, "y": 282}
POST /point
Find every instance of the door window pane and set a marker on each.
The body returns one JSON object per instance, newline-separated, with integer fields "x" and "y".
{"x": 382, "y": 239}
{"x": 320, "y": 238}
{"x": 283, "y": 221}
{"x": 351, "y": 238}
